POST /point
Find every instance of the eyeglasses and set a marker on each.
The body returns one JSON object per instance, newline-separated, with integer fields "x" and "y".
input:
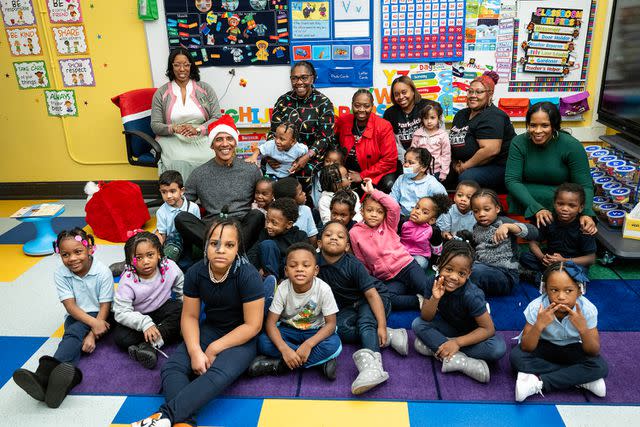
{"x": 304, "y": 78}
{"x": 181, "y": 65}
{"x": 475, "y": 92}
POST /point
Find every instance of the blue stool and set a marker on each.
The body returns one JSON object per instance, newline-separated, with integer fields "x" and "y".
{"x": 45, "y": 236}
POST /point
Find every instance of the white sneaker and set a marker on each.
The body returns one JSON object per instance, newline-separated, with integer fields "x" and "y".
{"x": 597, "y": 387}
{"x": 527, "y": 385}
{"x": 422, "y": 348}
{"x": 153, "y": 421}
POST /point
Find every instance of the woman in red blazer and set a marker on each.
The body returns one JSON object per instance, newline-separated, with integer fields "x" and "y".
{"x": 369, "y": 143}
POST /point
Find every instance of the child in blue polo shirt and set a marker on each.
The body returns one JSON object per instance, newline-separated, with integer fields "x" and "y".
{"x": 455, "y": 325}
{"x": 559, "y": 346}
{"x": 172, "y": 191}
{"x": 85, "y": 288}
{"x": 364, "y": 306}
{"x": 564, "y": 238}
{"x": 416, "y": 180}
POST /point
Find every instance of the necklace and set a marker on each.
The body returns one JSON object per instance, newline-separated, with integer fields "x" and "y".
{"x": 359, "y": 131}
{"x": 222, "y": 279}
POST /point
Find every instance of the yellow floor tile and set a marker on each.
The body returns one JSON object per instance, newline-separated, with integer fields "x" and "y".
{"x": 59, "y": 332}
{"x": 279, "y": 412}
{"x": 15, "y": 262}
{"x": 8, "y": 207}
{"x": 148, "y": 226}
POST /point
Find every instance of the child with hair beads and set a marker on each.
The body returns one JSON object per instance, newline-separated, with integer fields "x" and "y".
{"x": 416, "y": 180}
{"x": 376, "y": 244}
{"x": 263, "y": 194}
{"x": 268, "y": 253}
{"x": 460, "y": 216}
{"x": 220, "y": 347}
{"x": 433, "y": 136}
{"x": 495, "y": 269}
{"x": 283, "y": 149}
{"x": 334, "y": 155}
{"x": 290, "y": 187}
{"x": 564, "y": 238}
{"x": 364, "y": 305}
{"x": 147, "y": 316}
{"x": 454, "y": 324}
{"x": 559, "y": 346}
{"x": 301, "y": 324}
{"x": 419, "y": 234}
{"x": 343, "y": 208}
{"x": 334, "y": 178}
{"x": 172, "y": 192}
{"x": 85, "y": 288}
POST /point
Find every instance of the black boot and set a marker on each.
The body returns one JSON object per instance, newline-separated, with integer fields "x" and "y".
{"x": 35, "y": 383}
{"x": 263, "y": 365}
{"x": 145, "y": 354}
{"x": 329, "y": 368}
{"x": 63, "y": 378}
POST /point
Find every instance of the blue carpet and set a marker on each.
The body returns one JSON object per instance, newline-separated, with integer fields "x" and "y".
{"x": 25, "y": 231}
{"x": 16, "y": 351}
{"x": 617, "y": 305}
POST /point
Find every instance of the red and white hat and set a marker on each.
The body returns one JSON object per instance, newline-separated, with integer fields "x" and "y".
{"x": 223, "y": 124}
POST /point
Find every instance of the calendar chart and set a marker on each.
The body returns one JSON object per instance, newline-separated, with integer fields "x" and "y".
{"x": 422, "y": 30}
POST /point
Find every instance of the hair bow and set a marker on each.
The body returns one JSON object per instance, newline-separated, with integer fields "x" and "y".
{"x": 132, "y": 233}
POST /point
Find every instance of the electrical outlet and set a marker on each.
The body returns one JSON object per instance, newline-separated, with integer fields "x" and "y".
{"x": 232, "y": 71}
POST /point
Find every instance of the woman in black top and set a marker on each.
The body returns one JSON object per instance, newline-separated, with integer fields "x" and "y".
{"x": 480, "y": 137}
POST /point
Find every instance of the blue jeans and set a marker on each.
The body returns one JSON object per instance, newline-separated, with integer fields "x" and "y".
{"x": 423, "y": 262}
{"x": 494, "y": 280}
{"x": 559, "y": 366}
{"x": 70, "y": 348}
{"x": 437, "y": 332}
{"x": 404, "y": 286}
{"x": 185, "y": 392}
{"x": 327, "y": 349}
{"x": 271, "y": 259}
{"x": 487, "y": 176}
{"x": 356, "y": 323}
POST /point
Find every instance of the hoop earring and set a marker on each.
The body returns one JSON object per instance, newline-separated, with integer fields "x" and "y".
{"x": 556, "y": 134}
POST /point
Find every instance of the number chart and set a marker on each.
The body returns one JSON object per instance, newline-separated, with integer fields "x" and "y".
{"x": 422, "y": 30}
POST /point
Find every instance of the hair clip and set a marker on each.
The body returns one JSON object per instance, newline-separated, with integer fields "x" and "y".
{"x": 133, "y": 232}
{"x": 78, "y": 238}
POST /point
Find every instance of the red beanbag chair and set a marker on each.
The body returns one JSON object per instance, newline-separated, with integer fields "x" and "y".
{"x": 117, "y": 208}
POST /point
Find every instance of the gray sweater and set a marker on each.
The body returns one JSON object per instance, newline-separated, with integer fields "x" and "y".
{"x": 505, "y": 253}
{"x": 216, "y": 186}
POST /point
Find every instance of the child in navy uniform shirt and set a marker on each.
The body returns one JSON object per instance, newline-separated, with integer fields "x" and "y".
{"x": 454, "y": 324}
{"x": 559, "y": 346}
{"x": 563, "y": 236}
{"x": 290, "y": 187}
{"x": 364, "y": 306}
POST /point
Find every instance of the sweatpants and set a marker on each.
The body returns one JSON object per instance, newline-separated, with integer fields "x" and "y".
{"x": 166, "y": 319}
{"x": 438, "y": 331}
{"x": 559, "y": 366}
{"x": 185, "y": 392}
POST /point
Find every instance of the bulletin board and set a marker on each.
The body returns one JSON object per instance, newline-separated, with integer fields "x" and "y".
{"x": 248, "y": 93}
{"x": 336, "y": 36}
{"x": 231, "y": 32}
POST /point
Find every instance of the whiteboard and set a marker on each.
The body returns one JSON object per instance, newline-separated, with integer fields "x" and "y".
{"x": 250, "y": 104}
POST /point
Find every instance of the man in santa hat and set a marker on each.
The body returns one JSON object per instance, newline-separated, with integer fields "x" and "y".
{"x": 224, "y": 186}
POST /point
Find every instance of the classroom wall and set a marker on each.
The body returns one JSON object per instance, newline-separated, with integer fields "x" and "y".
{"x": 37, "y": 147}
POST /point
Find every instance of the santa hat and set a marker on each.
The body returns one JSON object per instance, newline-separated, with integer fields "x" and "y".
{"x": 223, "y": 124}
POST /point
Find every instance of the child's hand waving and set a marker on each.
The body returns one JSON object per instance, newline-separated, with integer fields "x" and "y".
{"x": 367, "y": 185}
{"x": 546, "y": 315}
{"x": 438, "y": 288}
{"x": 577, "y": 318}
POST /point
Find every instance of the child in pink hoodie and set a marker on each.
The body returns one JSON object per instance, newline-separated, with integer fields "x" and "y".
{"x": 420, "y": 235}
{"x": 376, "y": 244}
{"x": 433, "y": 136}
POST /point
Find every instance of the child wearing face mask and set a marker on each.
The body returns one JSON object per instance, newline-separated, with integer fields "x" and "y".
{"x": 416, "y": 180}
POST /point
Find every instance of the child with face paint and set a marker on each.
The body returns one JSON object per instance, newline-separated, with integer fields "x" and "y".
{"x": 559, "y": 346}
{"x": 416, "y": 180}
{"x": 85, "y": 288}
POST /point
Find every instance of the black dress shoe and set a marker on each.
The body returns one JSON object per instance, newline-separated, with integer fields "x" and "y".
{"x": 263, "y": 365}
{"x": 329, "y": 368}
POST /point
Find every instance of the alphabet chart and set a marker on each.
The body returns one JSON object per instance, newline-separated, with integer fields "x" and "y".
{"x": 422, "y": 30}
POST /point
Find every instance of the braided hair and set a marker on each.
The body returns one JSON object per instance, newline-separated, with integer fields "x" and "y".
{"x": 330, "y": 177}
{"x": 486, "y": 192}
{"x": 222, "y": 223}
{"x": 454, "y": 248}
{"x": 346, "y": 197}
{"x": 290, "y": 126}
{"x": 425, "y": 159}
{"x": 78, "y": 234}
{"x": 130, "y": 260}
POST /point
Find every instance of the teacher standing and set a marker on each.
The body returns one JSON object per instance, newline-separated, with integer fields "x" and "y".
{"x": 181, "y": 111}
{"x": 480, "y": 136}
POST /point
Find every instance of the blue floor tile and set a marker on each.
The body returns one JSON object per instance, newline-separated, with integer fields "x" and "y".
{"x": 15, "y": 352}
